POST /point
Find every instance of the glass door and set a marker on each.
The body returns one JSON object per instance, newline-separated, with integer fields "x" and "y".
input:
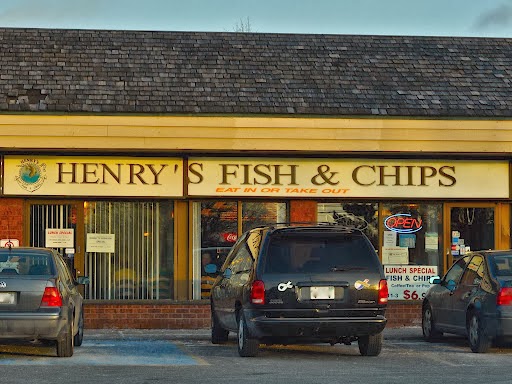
{"x": 469, "y": 227}
{"x": 58, "y": 225}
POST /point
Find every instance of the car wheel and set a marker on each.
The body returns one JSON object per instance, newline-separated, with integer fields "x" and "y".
{"x": 430, "y": 333}
{"x": 370, "y": 345}
{"x": 219, "y": 334}
{"x": 65, "y": 344}
{"x": 478, "y": 340}
{"x": 79, "y": 337}
{"x": 246, "y": 347}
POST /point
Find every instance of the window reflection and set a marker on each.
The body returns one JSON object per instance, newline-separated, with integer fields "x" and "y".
{"x": 360, "y": 215}
{"x": 419, "y": 229}
{"x": 255, "y": 214}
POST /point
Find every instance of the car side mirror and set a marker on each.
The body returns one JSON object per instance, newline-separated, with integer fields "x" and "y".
{"x": 210, "y": 268}
{"x": 227, "y": 273}
{"x": 83, "y": 280}
{"x": 451, "y": 285}
{"x": 435, "y": 280}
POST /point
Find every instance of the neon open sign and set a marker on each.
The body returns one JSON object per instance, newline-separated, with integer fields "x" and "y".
{"x": 403, "y": 223}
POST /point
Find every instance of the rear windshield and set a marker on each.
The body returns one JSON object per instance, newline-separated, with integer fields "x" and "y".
{"x": 299, "y": 254}
{"x": 501, "y": 265}
{"x": 35, "y": 264}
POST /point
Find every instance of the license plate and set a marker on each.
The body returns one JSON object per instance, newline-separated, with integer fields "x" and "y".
{"x": 7, "y": 298}
{"x": 322, "y": 293}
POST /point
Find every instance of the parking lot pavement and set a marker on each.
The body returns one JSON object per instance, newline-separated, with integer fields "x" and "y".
{"x": 98, "y": 351}
{"x": 138, "y": 347}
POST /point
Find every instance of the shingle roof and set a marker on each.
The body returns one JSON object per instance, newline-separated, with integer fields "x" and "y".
{"x": 104, "y": 71}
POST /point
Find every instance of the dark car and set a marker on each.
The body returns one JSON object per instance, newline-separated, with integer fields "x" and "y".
{"x": 300, "y": 284}
{"x": 39, "y": 299}
{"x": 473, "y": 299}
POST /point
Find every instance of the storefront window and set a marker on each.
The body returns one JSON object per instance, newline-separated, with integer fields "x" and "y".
{"x": 411, "y": 247}
{"x": 214, "y": 232}
{"x": 256, "y": 214}
{"x": 129, "y": 250}
{"x": 364, "y": 216}
{"x": 215, "y": 226}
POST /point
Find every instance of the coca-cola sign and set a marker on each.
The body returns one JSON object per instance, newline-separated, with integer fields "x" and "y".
{"x": 230, "y": 237}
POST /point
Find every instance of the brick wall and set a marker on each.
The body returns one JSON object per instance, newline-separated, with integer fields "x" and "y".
{"x": 147, "y": 316}
{"x": 11, "y": 219}
{"x": 197, "y": 315}
{"x": 403, "y": 314}
{"x": 303, "y": 211}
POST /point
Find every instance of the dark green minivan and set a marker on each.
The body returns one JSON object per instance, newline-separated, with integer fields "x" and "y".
{"x": 300, "y": 284}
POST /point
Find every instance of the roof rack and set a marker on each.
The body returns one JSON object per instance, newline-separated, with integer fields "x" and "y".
{"x": 310, "y": 223}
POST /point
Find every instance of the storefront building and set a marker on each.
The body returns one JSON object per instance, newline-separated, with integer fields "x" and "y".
{"x": 140, "y": 167}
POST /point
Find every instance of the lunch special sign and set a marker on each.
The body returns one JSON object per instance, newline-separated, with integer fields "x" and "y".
{"x": 347, "y": 178}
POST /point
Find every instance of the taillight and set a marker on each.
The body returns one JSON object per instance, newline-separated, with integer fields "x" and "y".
{"x": 383, "y": 292}
{"x": 504, "y": 296}
{"x": 258, "y": 292}
{"x": 51, "y": 297}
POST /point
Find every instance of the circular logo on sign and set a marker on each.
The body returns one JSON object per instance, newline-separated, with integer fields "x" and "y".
{"x": 31, "y": 175}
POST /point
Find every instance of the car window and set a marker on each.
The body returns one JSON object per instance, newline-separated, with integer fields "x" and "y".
{"x": 297, "y": 253}
{"x": 455, "y": 272}
{"x": 64, "y": 272}
{"x": 501, "y": 265}
{"x": 242, "y": 262}
{"x": 474, "y": 271}
{"x": 33, "y": 264}
{"x": 234, "y": 250}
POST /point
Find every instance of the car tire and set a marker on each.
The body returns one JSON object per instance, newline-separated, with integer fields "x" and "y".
{"x": 219, "y": 334}
{"x": 247, "y": 347}
{"x": 65, "y": 344}
{"x": 478, "y": 340}
{"x": 370, "y": 345}
{"x": 430, "y": 333}
{"x": 79, "y": 337}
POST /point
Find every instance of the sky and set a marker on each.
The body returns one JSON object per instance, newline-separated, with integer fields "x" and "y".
{"x": 489, "y": 18}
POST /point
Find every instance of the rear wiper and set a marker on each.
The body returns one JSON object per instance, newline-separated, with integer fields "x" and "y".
{"x": 342, "y": 269}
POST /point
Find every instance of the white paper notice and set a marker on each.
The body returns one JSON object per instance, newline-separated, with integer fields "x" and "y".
{"x": 101, "y": 242}
{"x": 431, "y": 240}
{"x": 60, "y": 238}
{"x": 389, "y": 239}
{"x": 395, "y": 255}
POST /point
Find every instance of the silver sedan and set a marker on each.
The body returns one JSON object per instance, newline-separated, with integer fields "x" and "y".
{"x": 39, "y": 299}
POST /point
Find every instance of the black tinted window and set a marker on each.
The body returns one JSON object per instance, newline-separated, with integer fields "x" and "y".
{"x": 296, "y": 253}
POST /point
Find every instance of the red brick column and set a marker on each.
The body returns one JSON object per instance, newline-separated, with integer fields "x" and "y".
{"x": 11, "y": 219}
{"x": 303, "y": 211}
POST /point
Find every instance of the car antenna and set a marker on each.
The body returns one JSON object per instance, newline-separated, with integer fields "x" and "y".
{"x": 9, "y": 242}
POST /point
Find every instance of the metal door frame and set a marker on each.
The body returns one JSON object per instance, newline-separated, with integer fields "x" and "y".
{"x": 78, "y": 205}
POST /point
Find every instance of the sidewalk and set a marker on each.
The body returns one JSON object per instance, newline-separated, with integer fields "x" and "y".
{"x": 403, "y": 333}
